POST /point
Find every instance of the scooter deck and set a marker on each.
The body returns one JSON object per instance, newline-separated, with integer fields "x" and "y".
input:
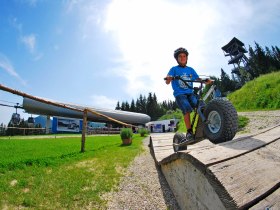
{"x": 189, "y": 142}
{"x": 185, "y": 143}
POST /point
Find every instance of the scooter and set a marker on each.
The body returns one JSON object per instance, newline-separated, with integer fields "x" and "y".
{"x": 214, "y": 118}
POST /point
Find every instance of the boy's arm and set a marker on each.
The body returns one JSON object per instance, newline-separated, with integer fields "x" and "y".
{"x": 206, "y": 81}
{"x": 209, "y": 82}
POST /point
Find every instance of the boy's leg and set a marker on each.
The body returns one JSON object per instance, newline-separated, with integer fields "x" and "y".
{"x": 184, "y": 105}
{"x": 189, "y": 134}
{"x": 187, "y": 120}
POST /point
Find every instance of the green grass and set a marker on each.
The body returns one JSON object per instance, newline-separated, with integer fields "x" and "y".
{"x": 53, "y": 174}
{"x": 261, "y": 93}
{"x": 242, "y": 121}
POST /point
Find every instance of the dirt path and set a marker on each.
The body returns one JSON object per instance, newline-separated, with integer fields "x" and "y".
{"x": 260, "y": 119}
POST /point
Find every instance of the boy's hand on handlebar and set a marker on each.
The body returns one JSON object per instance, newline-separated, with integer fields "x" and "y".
{"x": 168, "y": 79}
{"x": 208, "y": 81}
{"x": 172, "y": 78}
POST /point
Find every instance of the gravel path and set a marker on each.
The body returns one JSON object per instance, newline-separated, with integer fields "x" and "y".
{"x": 144, "y": 186}
{"x": 260, "y": 119}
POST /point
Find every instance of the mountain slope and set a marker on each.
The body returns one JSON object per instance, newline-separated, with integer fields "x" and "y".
{"x": 262, "y": 93}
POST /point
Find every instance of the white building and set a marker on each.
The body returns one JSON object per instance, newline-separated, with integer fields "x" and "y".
{"x": 162, "y": 126}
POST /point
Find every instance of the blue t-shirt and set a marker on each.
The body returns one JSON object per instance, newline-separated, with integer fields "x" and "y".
{"x": 186, "y": 73}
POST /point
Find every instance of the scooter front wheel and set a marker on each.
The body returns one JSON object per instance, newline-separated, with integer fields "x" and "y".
{"x": 222, "y": 121}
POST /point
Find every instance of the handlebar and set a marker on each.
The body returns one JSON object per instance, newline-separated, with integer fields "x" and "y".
{"x": 198, "y": 81}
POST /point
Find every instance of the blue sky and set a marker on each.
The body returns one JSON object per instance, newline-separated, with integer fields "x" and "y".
{"x": 96, "y": 53}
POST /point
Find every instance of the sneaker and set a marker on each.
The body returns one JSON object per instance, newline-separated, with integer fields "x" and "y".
{"x": 189, "y": 136}
{"x": 183, "y": 140}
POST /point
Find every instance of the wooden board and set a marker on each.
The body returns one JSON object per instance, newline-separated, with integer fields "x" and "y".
{"x": 270, "y": 202}
{"x": 216, "y": 153}
{"x": 245, "y": 172}
{"x": 162, "y": 145}
{"x": 248, "y": 177}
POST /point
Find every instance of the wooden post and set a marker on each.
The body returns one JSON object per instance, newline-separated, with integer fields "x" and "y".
{"x": 84, "y": 131}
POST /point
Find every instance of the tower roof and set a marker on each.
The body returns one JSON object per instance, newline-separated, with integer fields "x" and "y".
{"x": 228, "y": 47}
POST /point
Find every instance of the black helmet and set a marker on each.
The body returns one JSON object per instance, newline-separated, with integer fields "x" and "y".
{"x": 180, "y": 50}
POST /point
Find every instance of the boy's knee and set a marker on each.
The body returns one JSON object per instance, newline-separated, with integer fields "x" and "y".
{"x": 187, "y": 109}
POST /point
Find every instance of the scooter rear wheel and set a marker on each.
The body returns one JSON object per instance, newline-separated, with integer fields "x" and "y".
{"x": 176, "y": 140}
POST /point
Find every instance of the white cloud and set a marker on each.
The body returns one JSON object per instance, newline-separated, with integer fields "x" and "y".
{"x": 15, "y": 24}
{"x": 6, "y": 65}
{"x": 30, "y": 42}
{"x": 147, "y": 33}
{"x": 89, "y": 14}
{"x": 99, "y": 101}
{"x": 31, "y": 3}
{"x": 71, "y": 4}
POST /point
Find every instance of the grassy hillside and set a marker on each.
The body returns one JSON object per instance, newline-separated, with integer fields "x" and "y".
{"x": 262, "y": 93}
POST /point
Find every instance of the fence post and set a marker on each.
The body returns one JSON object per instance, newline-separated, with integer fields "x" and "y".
{"x": 84, "y": 131}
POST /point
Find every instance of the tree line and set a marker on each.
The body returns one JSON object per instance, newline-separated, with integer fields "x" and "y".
{"x": 261, "y": 61}
{"x": 20, "y": 129}
{"x": 148, "y": 105}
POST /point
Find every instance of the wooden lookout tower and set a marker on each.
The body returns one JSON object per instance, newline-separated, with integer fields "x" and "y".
{"x": 236, "y": 50}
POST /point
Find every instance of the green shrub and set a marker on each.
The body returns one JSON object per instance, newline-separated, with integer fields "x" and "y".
{"x": 242, "y": 121}
{"x": 126, "y": 133}
{"x": 143, "y": 131}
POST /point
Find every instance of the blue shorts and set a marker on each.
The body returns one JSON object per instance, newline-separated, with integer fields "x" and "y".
{"x": 186, "y": 102}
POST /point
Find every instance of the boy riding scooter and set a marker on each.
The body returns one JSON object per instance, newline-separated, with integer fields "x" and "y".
{"x": 183, "y": 92}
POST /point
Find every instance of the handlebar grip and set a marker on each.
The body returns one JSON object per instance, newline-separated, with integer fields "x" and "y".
{"x": 208, "y": 80}
{"x": 172, "y": 78}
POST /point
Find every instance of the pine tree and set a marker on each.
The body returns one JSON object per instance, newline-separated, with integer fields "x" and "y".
{"x": 263, "y": 61}
{"x": 142, "y": 103}
{"x": 126, "y": 107}
{"x": 152, "y": 106}
{"x": 132, "y": 106}
{"x": 227, "y": 85}
{"x": 123, "y": 106}
{"x": 118, "y": 106}
{"x": 252, "y": 63}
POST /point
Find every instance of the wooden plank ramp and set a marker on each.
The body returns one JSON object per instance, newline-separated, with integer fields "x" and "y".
{"x": 240, "y": 174}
